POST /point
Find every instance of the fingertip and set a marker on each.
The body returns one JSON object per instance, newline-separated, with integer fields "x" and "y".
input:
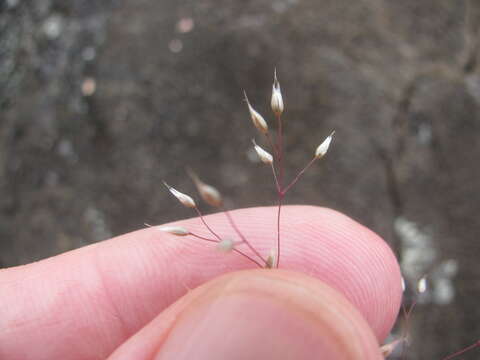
{"x": 110, "y": 290}
{"x": 256, "y": 314}
{"x": 330, "y": 246}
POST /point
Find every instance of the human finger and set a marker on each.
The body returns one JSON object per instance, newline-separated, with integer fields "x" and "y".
{"x": 256, "y": 314}
{"x": 85, "y": 303}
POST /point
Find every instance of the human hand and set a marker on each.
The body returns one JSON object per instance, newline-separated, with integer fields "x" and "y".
{"x": 129, "y": 298}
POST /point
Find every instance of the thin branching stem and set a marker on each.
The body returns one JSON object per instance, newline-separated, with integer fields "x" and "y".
{"x": 468, "y": 348}
{"x": 274, "y": 149}
{"x": 220, "y": 239}
{"x": 299, "y": 175}
{"x": 248, "y": 257}
{"x": 406, "y": 315}
{"x": 200, "y": 215}
{"x": 280, "y": 199}
{"x": 272, "y": 145}
{"x": 280, "y": 183}
{"x": 240, "y": 234}
{"x": 280, "y": 150}
{"x": 279, "y": 190}
{"x": 203, "y": 238}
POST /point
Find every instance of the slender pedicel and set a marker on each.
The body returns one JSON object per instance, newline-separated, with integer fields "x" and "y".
{"x": 275, "y": 160}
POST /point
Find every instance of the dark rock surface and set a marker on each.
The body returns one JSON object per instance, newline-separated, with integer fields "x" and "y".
{"x": 100, "y": 101}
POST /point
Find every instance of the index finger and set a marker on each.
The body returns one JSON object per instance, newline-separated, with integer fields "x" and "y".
{"x": 85, "y": 303}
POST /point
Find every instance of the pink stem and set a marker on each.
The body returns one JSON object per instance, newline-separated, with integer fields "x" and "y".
{"x": 299, "y": 175}
{"x": 275, "y": 155}
{"x": 279, "y": 190}
{"x": 468, "y": 348}
{"x": 206, "y": 225}
{"x": 406, "y": 314}
{"x": 280, "y": 150}
{"x": 219, "y": 239}
{"x": 281, "y": 193}
{"x": 280, "y": 198}
{"x": 244, "y": 239}
{"x": 203, "y": 238}
{"x": 272, "y": 145}
{"x": 248, "y": 257}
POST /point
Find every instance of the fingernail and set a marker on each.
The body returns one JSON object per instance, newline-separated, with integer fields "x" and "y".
{"x": 242, "y": 325}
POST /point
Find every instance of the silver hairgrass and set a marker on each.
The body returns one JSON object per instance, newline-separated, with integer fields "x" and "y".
{"x": 274, "y": 158}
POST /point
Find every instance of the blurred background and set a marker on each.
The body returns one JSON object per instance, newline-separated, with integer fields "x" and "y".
{"x": 101, "y": 100}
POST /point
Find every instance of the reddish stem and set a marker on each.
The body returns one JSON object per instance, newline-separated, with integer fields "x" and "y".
{"x": 468, "y": 348}
{"x": 279, "y": 181}
{"x": 219, "y": 239}
{"x": 240, "y": 234}
{"x": 206, "y": 225}
{"x": 299, "y": 175}
{"x": 272, "y": 145}
{"x": 280, "y": 150}
{"x": 406, "y": 314}
{"x": 279, "y": 190}
{"x": 248, "y": 257}
{"x": 280, "y": 198}
{"x": 202, "y": 238}
{"x": 275, "y": 156}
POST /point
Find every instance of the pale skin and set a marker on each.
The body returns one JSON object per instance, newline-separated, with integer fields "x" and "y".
{"x": 130, "y": 297}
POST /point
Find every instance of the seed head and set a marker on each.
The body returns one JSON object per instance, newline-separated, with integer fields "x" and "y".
{"x": 226, "y": 245}
{"x": 264, "y": 156}
{"x": 323, "y": 147}
{"x": 183, "y": 198}
{"x": 208, "y": 193}
{"x": 175, "y": 230}
{"x": 277, "y": 100}
{"x": 257, "y": 119}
